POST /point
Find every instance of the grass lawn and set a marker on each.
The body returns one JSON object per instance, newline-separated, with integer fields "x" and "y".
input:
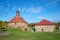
{"x": 17, "y": 34}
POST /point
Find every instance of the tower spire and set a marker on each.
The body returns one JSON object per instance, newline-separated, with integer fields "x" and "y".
{"x": 17, "y": 13}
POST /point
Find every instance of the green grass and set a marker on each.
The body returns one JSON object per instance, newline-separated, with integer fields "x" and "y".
{"x": 17, "y": 34}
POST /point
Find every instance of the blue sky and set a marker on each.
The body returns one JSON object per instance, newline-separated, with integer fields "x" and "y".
{"x": 30, "y": 10}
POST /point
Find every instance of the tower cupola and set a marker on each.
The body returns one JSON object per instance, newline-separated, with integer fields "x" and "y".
{"x": 17, "y": 13}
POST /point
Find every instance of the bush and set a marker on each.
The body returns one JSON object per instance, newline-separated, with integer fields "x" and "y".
{"x": 3, "y": 29}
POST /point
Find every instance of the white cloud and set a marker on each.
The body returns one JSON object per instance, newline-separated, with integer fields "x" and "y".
{"x": 19, "y": 9}
{"x": 43, "y": 17}
{"x": 51, "y": 2}
{"x": 23, "y": 9}
{"x": 29, "y": 9}
{"x": 14, "y": 8}
{"x": 32, "y": 9}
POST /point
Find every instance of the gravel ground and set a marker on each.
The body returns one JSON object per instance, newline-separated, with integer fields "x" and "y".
{"x": 6, "y": 33}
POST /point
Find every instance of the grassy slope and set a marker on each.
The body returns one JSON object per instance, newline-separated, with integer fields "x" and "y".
{"x": 20, "y": 35}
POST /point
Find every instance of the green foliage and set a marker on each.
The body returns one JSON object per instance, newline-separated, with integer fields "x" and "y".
{"x": 17, "y": 34}
{"x": 3, "y": 24}
{"x": 57, "y": 25}
{"x": 31, "y": 24}
{"x": 0, "y": 24}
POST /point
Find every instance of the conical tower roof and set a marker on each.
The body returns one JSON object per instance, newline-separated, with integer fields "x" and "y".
{"x": 18, "y": 18}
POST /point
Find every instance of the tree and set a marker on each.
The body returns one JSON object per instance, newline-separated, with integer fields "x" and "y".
{"x": 0, "y": 24}
{"x": 3, "y": 24}
{"x": 57, "y": 25}
{"x": 31, "y": 24}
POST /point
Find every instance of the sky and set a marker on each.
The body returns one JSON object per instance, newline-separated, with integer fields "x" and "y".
{"x": 30, "y": 10}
